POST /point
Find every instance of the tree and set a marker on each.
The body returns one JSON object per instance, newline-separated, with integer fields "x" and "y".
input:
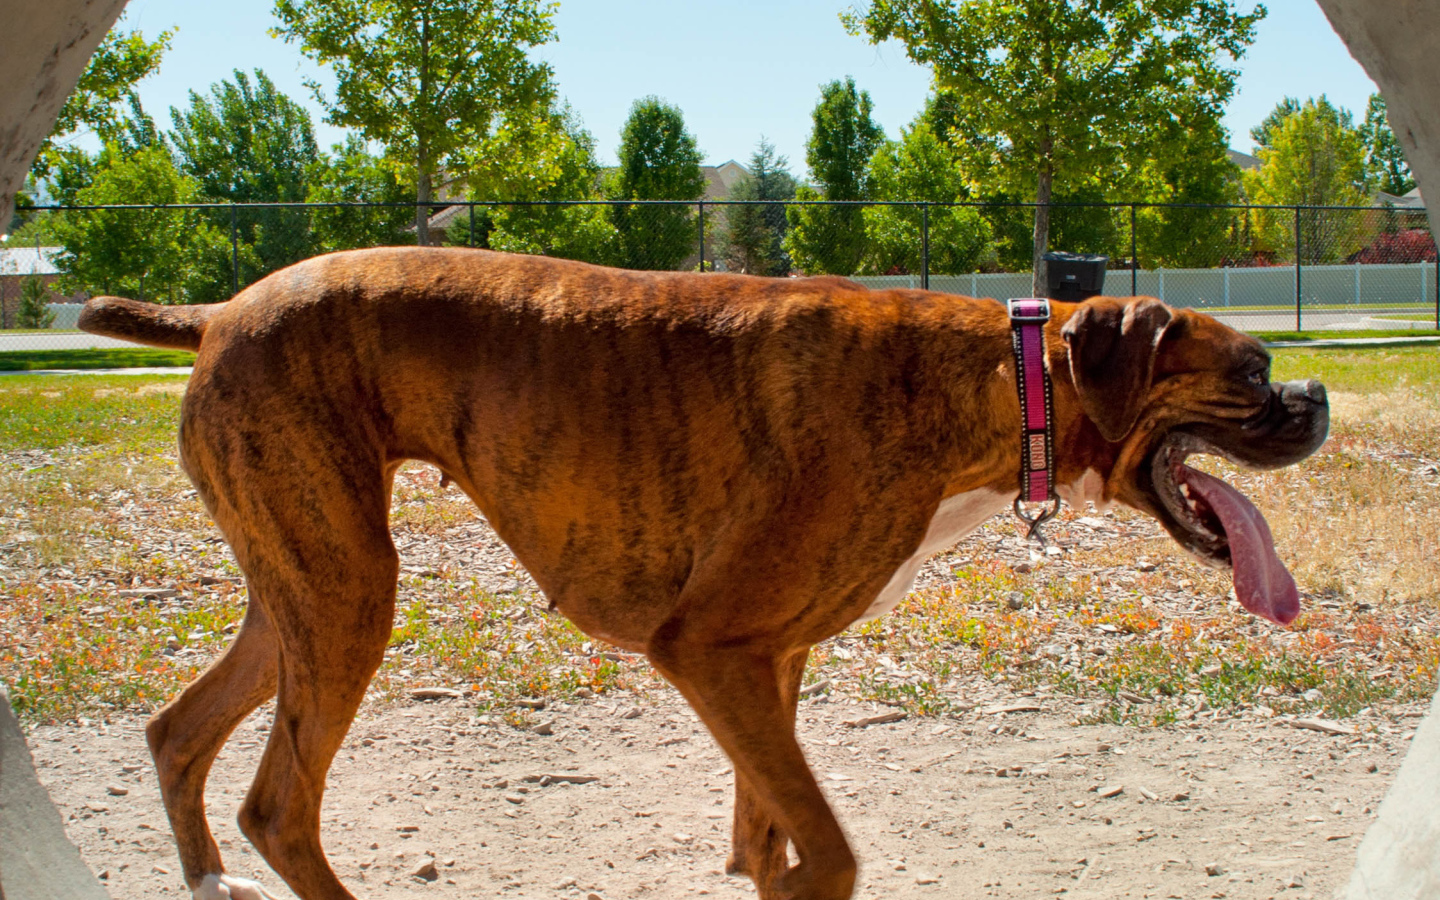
{"x": 1191, "y": 169}
{"x": 1384, "y": 157}
{"x": 1049, "y": 93}
{"x": 1263, "y": 134}
{"x": 1315, "y": 159}
{"x": 754, "y": 234}
{"x": 249, "y": 143}
{"x": 659, "y": 160}
{"x": 97, "y": 104}
{"x": 161, "y": 255}
{"x": 34, "y": 309}
{"x": 542, "y": 160}
{"x": 423, "y": 77}
{"x": 843, "y": 137}
{"x": 351, "y": 174}
{"x": 920, "y": 166}
{"x": 72, "y": 168}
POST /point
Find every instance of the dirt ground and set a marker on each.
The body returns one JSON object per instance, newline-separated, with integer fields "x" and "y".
{"x": 988, "y": 804}
{"x": 1005, "y": 796}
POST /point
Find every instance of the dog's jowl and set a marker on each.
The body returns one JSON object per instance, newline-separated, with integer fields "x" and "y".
{"x": 717, "y": 471}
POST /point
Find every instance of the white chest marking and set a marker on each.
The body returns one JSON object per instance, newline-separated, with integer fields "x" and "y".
{"x": 955, "y": 518}
{"x": 1089, "y": 487}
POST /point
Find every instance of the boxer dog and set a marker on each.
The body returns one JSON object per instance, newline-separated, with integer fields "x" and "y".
{"x": 718, "y": 471}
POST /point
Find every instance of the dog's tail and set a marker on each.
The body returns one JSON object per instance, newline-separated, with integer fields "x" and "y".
{"x": 175, "y": 327}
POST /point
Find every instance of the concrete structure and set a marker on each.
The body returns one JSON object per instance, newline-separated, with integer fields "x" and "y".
{"x": 37, "y": 862}
{"x": 1395, "y": 43}
{"x": 1400, "y": 856}
{"x": 43, "y": 52}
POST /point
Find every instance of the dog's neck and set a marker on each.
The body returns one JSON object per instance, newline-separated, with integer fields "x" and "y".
{"x": 984, "y": 450}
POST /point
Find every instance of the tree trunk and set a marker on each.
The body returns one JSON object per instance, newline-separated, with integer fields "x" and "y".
{"x": 422, "y": 211}
{"x": 423, "y": 162}
{"x": 1038, "y": 284}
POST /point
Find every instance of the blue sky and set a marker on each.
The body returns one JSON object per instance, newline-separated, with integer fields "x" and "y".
{"x": 738, "y": 70}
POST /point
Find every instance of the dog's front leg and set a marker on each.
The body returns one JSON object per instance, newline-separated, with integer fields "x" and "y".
{"x": 745, "y": 697}
{"x": 758, "y": 846}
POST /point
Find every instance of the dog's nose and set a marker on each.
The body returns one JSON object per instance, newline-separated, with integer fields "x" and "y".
{"x": 1299, "y": 391}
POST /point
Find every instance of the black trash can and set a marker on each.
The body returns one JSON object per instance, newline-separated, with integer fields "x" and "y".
{"x": 1073, "y": 277}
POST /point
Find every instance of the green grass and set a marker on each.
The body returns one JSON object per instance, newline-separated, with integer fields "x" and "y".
{"x": 78, "y": 652}
{"x": 504, "y": 646}
{"x": 1271, "y": 336}
{"x": 125, "y": 411}
{"x": 96, "y": 358}
{"x": 1360, "y": 370}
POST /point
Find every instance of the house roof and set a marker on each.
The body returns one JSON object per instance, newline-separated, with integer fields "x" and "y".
{"x": 29, "y": 260}
{"x": 1244, "y": 160}
{"x": 1411, "y": 200}
{"x": 446, "y": 217}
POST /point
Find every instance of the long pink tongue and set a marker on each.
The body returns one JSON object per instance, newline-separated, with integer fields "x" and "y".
{"x": 1262, "y": 583}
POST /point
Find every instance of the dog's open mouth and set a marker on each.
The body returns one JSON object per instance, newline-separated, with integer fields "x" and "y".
{"x": 1222, "y": 527}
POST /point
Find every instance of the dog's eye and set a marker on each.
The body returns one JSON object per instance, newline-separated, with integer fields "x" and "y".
{"x": 1259, "y": 377}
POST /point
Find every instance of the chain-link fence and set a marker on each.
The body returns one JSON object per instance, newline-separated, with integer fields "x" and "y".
{"x": 1257, "y": 268}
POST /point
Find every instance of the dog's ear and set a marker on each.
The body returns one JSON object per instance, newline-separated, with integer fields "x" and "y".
{"x": 1113, "y": 345}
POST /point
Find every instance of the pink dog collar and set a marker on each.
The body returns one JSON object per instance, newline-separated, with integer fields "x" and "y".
{"x": 1032, "y": 380}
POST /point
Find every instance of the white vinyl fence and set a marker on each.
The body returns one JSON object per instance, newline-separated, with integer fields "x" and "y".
{"x": 1393, "y": 285}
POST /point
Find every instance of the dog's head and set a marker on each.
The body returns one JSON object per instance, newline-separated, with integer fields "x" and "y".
{"x": 1160, "y": 384}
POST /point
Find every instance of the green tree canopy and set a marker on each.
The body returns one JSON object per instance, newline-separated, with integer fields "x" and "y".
{"x": 160, "y": 255}
{"x": 424, "y": 78}
{"x": 920, "y": 166}
{"x": 249, "y": 143}
{"x": 1316, "y": 158}
{"x": 659, "y": 160}
{"x": 1383, "y": 155}
{"x": 842, "y": 140}
{"x": 1191, "y": 166}
{"x": 351, "y": 174}
{"x": 102, "y": 95}
{"x": 1264, "y": 133}
{"x": 72, "y": 168}
{"x": 246, "y": 142}
{"x": 843, "y": 137}
{"x": 1052, "y": 93}
{"x": 543, "y": 158}
{"x": 754, "y": 234}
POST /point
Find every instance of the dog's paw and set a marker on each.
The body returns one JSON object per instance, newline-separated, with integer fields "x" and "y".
{"x": 229, "y": 887}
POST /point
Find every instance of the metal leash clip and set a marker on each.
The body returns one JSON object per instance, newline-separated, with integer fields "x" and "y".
{"x": 1034, "y": 523}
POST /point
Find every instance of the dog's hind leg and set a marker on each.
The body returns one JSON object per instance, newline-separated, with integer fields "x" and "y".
{"x": 738, "y": 693}
{"x": 329, "y": 588}
{"x": 758, "y": 846}
{"x": 188, "y": 732}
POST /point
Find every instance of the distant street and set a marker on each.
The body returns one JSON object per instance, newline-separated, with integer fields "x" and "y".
{"x": 62, "y": 340}
{"x": 1350, "y": 319}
